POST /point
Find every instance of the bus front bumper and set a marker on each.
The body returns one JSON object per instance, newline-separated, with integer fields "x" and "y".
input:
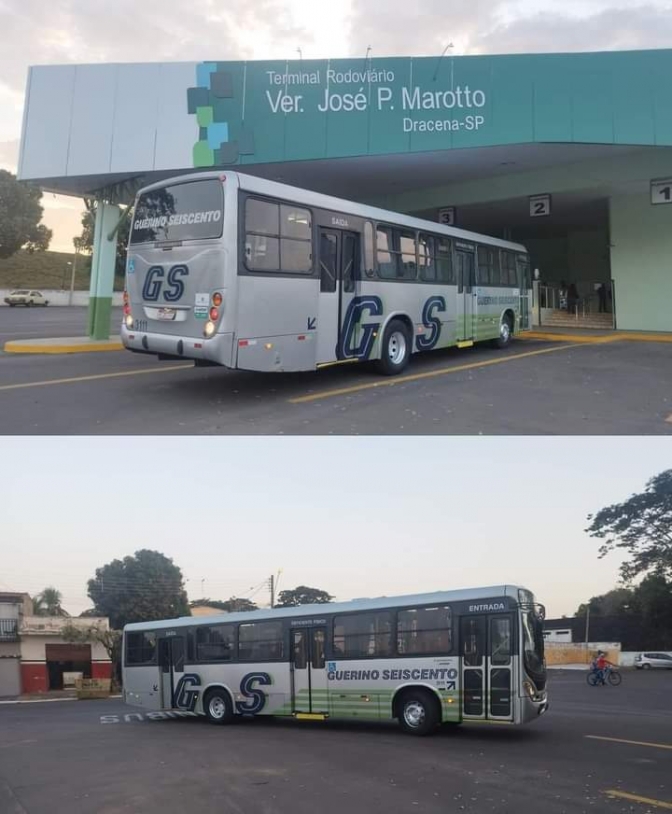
{"x": 218, "y": 349}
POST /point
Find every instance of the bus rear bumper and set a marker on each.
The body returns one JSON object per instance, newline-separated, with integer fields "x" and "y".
{"x": 218, "y": 349}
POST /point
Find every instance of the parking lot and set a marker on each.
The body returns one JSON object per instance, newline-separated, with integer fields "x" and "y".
{"x": 598, "y": 749}
{"x": 534, "y": 387}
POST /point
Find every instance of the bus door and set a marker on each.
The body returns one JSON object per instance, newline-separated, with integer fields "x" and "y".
{"x": 500, "y": 667}
{"x": 309, "y": 671}
{"x": 466, "y": 279}
{"x": 339, "y": 261}
{"x": 172, "y": 657}
{"x": 487, "y": 681}
{"x": 524, "y": 283}
{"x": 474, "y": 674}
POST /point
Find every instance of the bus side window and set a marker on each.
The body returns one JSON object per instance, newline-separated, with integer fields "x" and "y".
{"x": 444, "y": 261}
{"x": 426, "y": 258}
{"x": 387, "y": 260}
{"x": 408, "y": 268}
{"x": 369, "y": 250}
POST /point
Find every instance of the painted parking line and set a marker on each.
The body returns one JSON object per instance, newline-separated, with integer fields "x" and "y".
{"x": 430, "y": 374}
{"x": 636, "y": 798}
{"x": 631, "y": 743}
{"x": 96, "y": 376}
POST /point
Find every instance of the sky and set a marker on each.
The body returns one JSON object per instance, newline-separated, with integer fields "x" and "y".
{"x": 356, "y": 517}
{"x": 86, "y": 31}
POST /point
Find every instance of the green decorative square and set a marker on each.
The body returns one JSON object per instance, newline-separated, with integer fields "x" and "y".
{"x": 204, "y": 116}
{"x": 204, "y": 155}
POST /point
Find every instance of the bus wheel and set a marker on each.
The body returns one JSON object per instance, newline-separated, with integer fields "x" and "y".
{"x": 505, "y": 332}
{"x": 396, "y": 348}
{"x": 217, "y": 707}
{"x": 419, "y": 712}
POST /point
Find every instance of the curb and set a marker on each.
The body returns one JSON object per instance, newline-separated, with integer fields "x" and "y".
{"x": 573, "y": 338}
{"x": 52, "y": 700}
{"x": 76, "y": 345}
{"x": 617, "y": 336}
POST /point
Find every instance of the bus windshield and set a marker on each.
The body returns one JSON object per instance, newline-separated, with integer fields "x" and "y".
{"x": 189, "y": 211}
{"x": 533, "y": 636}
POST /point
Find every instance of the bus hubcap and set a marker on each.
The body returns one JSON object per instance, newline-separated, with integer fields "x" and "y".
{"x": 217, "y": 708}
{"x": 414, "y": 714}
{"x": 397, "y": 348}
{"x": 504, "y": 331}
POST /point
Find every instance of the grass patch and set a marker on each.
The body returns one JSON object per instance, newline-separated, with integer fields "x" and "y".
{"x": 48, "y": 270}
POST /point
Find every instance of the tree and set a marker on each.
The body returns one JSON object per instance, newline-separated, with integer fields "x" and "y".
{"x": 141, "y": 588}
{"x": 653, "y": 601}
{"x": 84, "y": 243}
{"x": 233, "y": 605}
{"x": 110, "y": 640}
{"x": 641, "y": 526}
{"x": 302, "y": 595}
{"x": 48, "y": 603}
{"x": 613, "y": 603}
{"x": 20, "y": 216}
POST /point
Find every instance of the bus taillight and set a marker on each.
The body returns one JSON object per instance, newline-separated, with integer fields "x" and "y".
{"x": 217, "y": 299}
{"x": 128, "y": 317}
{"x": 214, "y": 314}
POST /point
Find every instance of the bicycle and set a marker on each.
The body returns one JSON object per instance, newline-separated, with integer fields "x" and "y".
{"x": 611, "y": 675}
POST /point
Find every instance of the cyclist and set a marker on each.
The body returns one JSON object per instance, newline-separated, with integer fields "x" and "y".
{"x": 601, "y": 665}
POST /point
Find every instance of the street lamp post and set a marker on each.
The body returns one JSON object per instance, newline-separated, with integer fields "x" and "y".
{"x": 72, "y": 279}
{"x": 587, "y": 621}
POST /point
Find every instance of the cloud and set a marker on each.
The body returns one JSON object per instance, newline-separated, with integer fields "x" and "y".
{"x": 395, "y": 27}
{"x": 80, "y": 31}
{"x": 9, "y": 155}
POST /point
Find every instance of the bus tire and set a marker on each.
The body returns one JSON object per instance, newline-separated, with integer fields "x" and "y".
{"x": 395, "y": 352}
{"x": 505, "y": 332}
{"x": 217, "y": 706}
{"x": 419, "y": 712}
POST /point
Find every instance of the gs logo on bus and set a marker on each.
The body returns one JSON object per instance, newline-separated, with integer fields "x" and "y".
{"x": 256, "y": 698}
{"x": 186, "y": 694}
{"x": 188, "y": 690}
{"x": 155, "y": 279}
{"x": 431, "y": 321}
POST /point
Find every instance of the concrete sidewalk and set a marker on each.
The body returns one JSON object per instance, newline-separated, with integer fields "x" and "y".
{"x": 74, "y": 344}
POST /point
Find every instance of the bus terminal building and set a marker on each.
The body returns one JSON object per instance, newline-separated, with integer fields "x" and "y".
{"x": 568, "y": 154}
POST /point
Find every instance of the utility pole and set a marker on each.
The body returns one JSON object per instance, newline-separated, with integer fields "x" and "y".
{"x": 271, "y": 585}
{"x": 587, "y": 621}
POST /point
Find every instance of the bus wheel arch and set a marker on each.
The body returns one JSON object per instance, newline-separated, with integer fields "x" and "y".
{"x": 507, "y": 324}
{"x": 396, "y": 344}
{"x": 218, "y": 705}
{"x": 417, "y": 708}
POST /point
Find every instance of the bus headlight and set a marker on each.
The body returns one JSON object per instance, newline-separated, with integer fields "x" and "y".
{"x": 529, "y": 689}
{"x": 209, "y": 328}
{"x": 128, "y": 319}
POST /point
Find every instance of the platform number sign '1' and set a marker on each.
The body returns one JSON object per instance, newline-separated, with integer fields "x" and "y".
{"x": 661, "y": 191}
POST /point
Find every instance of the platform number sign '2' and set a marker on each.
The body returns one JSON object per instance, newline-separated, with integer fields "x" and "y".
{"x": 540, "y": 206}
{"x": 661, "y": 191}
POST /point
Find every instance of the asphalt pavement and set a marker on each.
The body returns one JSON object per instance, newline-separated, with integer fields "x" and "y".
{"x": 535, "y": 387}
{"x": 606, "y": 749}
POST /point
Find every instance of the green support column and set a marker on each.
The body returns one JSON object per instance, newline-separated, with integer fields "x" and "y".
{"x": 102, "y": 270}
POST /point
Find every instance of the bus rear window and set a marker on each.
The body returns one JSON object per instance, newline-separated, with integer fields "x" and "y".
{"x": 189, "y": 211}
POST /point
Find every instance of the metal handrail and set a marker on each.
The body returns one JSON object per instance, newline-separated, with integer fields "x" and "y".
{"x": 9, "y": 629}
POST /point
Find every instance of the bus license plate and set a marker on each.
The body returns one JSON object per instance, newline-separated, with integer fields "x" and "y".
{"x": 166, "y": 313}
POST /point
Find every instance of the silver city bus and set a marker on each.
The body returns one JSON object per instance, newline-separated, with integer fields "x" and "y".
{"x": 445, "y": 657}
{"x": 234, "y": 270}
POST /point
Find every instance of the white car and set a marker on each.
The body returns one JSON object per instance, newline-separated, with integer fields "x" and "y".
{"x": 647, "y": 661}
{"x": 26, "y": 297}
